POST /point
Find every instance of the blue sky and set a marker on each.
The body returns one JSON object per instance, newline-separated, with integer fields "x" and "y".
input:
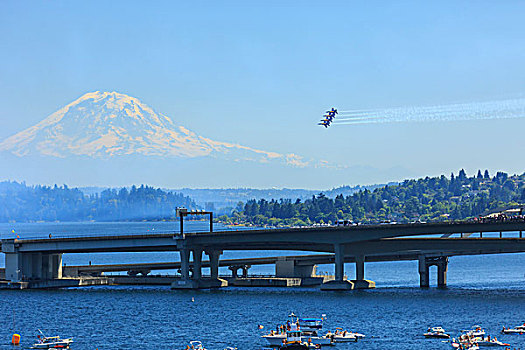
{"x": 262, "y": 73}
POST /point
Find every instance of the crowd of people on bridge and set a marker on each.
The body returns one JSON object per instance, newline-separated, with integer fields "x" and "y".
{"x": 502, "y": 217}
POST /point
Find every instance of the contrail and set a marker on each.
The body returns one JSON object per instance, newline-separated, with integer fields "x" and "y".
{"x": 502, "y": 109}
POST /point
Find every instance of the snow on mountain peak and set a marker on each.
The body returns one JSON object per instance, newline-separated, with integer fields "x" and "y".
{"x": 107, "y": 124}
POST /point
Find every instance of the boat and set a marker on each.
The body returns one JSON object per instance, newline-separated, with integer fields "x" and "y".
{"x": 311, "y": 323}
{"x": 310, "y": 328}
{"x": 274, "y": 338}
{"x": 342, "y": 336}
{"x": 195, "y": 345}
{"x": 465, "y": 342}
{"x": 51, "y": 342}
{"x": 516, "y": 330}
{"x": 462, "y": 346}
{"x": 476, "y": 331}
{"x": 436, "y": 332}
{"x": 489, "y": 341}
{"x": 293, "y": 339}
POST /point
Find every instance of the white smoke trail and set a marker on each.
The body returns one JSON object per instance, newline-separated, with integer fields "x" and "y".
{"x": 503, "y": 109}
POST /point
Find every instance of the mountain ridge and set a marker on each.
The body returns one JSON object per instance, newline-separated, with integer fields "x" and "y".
{"x": 109, "y": 124}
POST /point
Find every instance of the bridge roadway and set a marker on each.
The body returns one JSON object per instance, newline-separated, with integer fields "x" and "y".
{"x": 41, "y": 258}
{"x": 394, "y": 249}
{"x": 318, "y": 239}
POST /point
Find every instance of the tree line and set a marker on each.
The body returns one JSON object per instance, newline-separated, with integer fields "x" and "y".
{"x": 22, "y": 203}
{"x": 426, "y": 199}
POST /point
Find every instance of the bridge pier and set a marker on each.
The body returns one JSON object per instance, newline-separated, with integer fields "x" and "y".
{"x": 213, "y": 256}
{"x": 235, "y": 270}
{"x": 23, "y": 267}
{"x": 291, "y": 268}
{"x": 197, "y": 263}
{"x": 360, "y": 282}
{"x": 424, "y": 270}
{"x": 339, "y": 283}
{"x": 196, "y": 281}
{"x": 424, "y": 278}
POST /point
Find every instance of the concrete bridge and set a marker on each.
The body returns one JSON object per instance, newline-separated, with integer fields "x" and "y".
{"x": 40, "y": 259}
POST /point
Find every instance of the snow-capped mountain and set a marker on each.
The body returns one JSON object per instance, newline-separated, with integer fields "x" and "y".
{"x": 109, "y": 124}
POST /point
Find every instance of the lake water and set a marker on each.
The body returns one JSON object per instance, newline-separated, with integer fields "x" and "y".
{"x": 486, "y": 290}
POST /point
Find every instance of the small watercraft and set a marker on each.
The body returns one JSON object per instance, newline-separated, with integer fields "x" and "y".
{"x": 195, "y": 345}
{"x": 274, "y": 338}
{"x": 516, "y": 330}
{"x": 476, "y": 331}
{"x": 293, "y": 339}
{"x": 340, "y": 336}
{"x": 51, "y": 342}
{"x": 436, "y": 332}
{"x": 489, "y": 341}
{"x": 464, "y": 345}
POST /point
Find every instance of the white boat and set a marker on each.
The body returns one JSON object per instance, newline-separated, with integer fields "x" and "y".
{"x": 436, "y": 332}
{"x": 311, "y": 323}
{"x": 489, "y": 341}
{"x": 316, "y": 340}
{"x": 464, "y": 345}
{"x": 476, "y": 331}
{"x": 310, "y": 328}
{"x": 293, "y": 339}
{"x": 275, "y": 339}
{"x": 196, "y": 345}
{"x": 344, "y": 336}
{"x": 516, "y": 330}
{"x": 51, "y": 342}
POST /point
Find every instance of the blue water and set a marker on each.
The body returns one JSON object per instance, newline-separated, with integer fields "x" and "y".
{"x": 487, "y": 290}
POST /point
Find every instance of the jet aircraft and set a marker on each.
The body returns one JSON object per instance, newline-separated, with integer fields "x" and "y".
{"x": 328, "y": 117}
{"x": 325, "y": 123}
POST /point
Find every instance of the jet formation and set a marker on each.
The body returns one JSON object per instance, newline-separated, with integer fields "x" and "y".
{"x": 328, "y": 117}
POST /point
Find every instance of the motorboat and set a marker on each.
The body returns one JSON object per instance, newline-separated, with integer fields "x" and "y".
{"x": 476, "y": 331}
{"x": 463, "y": 346}
{"x": 436, "y": 332}
{"x": 51, "y": 342}
{"x": 274, "y": 338}
{"x": 516, "y": 330}
{"x": 342, "y": 336}
{"x": 489, "y": 341}
{"x": 310, "y": 328}
{"x": 314, "y": 338}
{"x": 196, "y": 345}
{"x": 311, "y": 323}
{"x": 465, "y": 342}
{"x": 293, "y": 339}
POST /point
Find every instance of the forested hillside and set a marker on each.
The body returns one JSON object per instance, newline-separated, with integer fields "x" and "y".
{"x": 22, "y": 203}
{"x": 428, "y": 199}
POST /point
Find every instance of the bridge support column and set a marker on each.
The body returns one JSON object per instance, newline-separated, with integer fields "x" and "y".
{"x": 360, "y": 267}
{"x": 360, "y": 282}
{"x": 442, "y": 272}
{"x": 185, "y": 282}
{"x": 339, "y": 262}
{"x": 23, "y": 267}
{"x": 424, "y": 281}
{"x": 197, "y": 264}
{"x": 338, "y": 283}
{"x": 424, "y": 266}
{"x": 185, "y": 264}
{"x": 214, "y": 256}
